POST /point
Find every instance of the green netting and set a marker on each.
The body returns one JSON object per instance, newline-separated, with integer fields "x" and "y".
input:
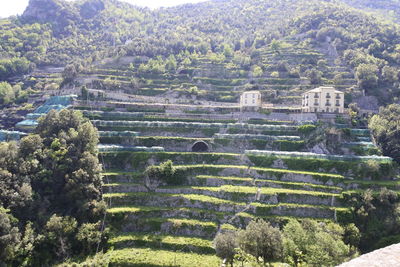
{"x": 365, "y": 144}
{"x": 178, "y": 124}
{"x": 118, "y": 134}
{"x": 27, "y": 124}
{"x": 317, "y": 156}
{"x": 6, "y": 136}
{"x": 363, "y": 138}
{"x": 360, "y": 132}
{"x": 120, "y": 148}
{"x": 113, "y": 114}
{"x": 257, "y": 136}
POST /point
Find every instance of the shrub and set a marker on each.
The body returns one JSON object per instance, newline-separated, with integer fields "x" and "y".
{"x": 306, "y": 128}
{"x": 166, "y": 173}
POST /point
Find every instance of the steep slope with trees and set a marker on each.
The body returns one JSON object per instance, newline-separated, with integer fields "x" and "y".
{"x": 50, "y": 193}
{"x": 85, "y": 31}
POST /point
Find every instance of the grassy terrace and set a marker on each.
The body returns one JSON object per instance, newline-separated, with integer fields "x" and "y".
{"x": 261, "y": 170}
{"x": 212, "y": 203}
{"x": 139, "y": 160}
{"x": 365, "y": 184}
{"x": 253, "y": 190}
{"x": 129, "y": 197}
{"x": 285, "y": 184}
{"x": 172, "y": 225}
{"x": 179, "y": 125}
{"x": 138, "y": 116}
{"x": 156, "y": 257}
{"x": 167, "y": 242}
{"x": 159, "y": 209}
{"x": 119, "y": 184}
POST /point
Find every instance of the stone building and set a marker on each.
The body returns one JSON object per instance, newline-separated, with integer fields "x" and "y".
{"x": 250, "y": 100}
{"x": 323, "y": 99}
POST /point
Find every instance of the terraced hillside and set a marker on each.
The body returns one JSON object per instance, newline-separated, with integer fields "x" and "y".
{"x": 243, "y": 171}
{"x": 211, "y": 77}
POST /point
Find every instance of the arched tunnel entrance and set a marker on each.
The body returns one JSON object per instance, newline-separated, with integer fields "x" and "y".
{"x": 200, "y": 146}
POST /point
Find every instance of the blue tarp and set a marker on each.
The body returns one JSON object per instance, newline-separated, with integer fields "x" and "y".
{"x": 10, "y": 135}
{"x": 53, "y": 103}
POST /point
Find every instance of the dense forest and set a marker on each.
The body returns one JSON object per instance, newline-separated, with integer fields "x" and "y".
{"x": 59, "y": 33}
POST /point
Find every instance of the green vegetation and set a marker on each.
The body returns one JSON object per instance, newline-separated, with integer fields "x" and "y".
{"x": 154, "y": 257}
{"x": 386, "y": 130}
{"x": 298, "y": 243}
{"x": 55, "y": 168}
{"x": 376, "y": 217}
{"x": 173, "y": 243}
{"x": 165, "y": 173}
{"x": 189, "y": 57}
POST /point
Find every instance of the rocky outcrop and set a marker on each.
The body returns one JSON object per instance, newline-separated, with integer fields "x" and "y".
{"x": 60, "y": 13}
{"x": 91, "y": 8}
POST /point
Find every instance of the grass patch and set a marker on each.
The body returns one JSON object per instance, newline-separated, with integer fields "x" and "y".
{"x": 279, "y": 172}
{"x": 147, "y": 257}
{"x": 168, "y": 242}
{"x": 293, "y": 185}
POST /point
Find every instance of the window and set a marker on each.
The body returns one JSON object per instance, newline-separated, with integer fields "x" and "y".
{"x": 337, "y": 103}
{"x": 327, "y": 109}
{"x": 328, "y": 95}
{"x": 337, "y": 110}
{"x": 327, "y": 103}
{"x": 316, "y": 103}
{"x": 316, "y": 95}
{"x": 254, "y": 101}
{"x": 337, "y": 96}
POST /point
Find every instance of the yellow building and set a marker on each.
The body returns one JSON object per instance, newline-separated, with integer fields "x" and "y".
{"x": 323, "y": 99}
{"x": 250, "y": 100}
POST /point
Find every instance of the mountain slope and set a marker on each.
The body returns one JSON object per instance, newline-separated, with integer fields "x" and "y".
{"x": 85, "y": 31}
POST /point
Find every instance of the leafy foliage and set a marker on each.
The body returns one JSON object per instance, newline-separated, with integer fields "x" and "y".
{"x": 386, "y": 130}
{"x": 376, "y": 216}
{"x": 314, "y": 244}
{"x": 51, "y": 184}
{"x": 166, "y": 173}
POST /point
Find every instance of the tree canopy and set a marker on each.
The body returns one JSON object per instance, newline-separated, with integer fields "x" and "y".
{"x": 50, "y": 191}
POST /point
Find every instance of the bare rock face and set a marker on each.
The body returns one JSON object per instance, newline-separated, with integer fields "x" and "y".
{"x": 38, "y": 10}
{"x": 59, "y": 13}
{"x": 91, "y": 8}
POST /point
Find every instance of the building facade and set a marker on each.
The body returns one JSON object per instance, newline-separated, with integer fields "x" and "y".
{"x": 323, "y": 99}
{"x": 250, "y": 100}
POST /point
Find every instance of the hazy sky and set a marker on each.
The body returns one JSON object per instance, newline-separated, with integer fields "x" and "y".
{"x": 14, "y": 7}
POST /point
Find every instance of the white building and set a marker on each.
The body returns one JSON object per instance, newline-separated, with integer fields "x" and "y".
{"x": 251, "y": 100}
{"x": 323, "y": 99}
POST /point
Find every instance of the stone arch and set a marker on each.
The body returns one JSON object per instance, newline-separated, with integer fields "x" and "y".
{"x": 200, "y": 146}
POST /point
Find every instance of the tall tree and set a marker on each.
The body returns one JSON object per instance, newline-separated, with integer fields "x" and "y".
{"x": 261, "y": 240}
{"x": 385, "y": 128}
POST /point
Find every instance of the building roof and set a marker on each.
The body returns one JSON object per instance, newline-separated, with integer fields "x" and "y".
{"x": 253, "y": 92}
{"x": 319, "y": 90}
{"x": 388, "y": 256}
